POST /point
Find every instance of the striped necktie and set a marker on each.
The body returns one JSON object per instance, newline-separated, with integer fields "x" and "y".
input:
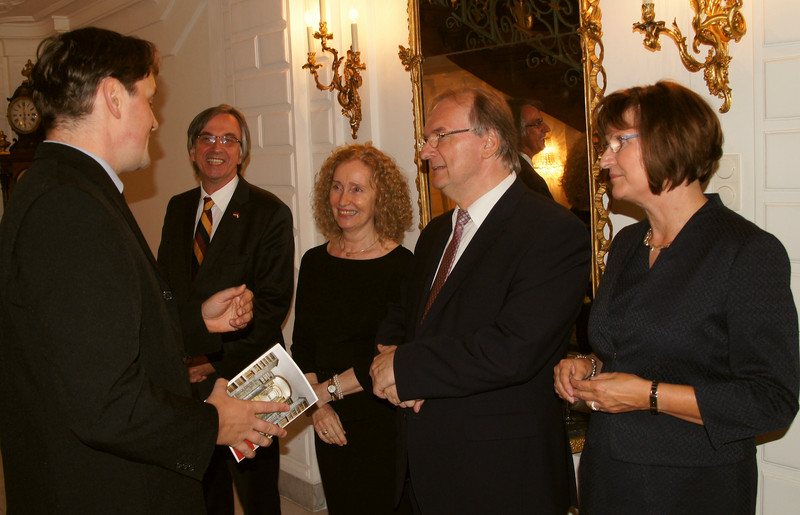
{"x": 202, "y": 235}
{"x": 447, "y": 260}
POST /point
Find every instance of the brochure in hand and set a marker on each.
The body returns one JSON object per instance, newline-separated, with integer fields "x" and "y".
{"x": 274, "y": 377}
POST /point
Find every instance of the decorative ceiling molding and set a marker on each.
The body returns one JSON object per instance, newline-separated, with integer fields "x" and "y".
{"x": 7, "y": 5}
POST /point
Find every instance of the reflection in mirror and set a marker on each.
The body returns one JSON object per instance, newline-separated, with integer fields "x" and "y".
{"x": 549, "y": 51}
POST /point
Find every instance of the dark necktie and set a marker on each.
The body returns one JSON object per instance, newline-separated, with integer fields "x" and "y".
{"x": 202, "y": 236}
{"x": 447, "y": 260}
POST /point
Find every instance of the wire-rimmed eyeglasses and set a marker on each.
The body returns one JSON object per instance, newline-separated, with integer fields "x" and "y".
{"x": 618, "y": 142}
{"x": 209, "y": 139}
{"x": 538, "y": 123}
{"x": 433, "y": 139}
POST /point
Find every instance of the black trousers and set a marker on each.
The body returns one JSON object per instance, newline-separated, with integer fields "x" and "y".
{"x": 256, "y": 482}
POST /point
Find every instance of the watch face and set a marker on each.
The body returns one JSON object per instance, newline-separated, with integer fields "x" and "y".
{"x": 23, "y": 116}
{"x": 331, "y": 389}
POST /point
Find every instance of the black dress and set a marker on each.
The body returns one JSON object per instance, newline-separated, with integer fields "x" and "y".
{"x": 715, "y": 311}
{"x": 339, "y": 304}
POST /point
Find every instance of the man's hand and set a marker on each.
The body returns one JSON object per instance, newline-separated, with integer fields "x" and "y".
{"x": 382, "y": 373}
{"x": 415, "y": 404}
{"x": 199, "y": 373}
{"x": 238, "y": 421}
{"x": 228, "y": 310}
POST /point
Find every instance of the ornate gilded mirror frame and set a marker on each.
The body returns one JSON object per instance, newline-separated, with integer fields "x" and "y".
{"x": 594, "y": 80}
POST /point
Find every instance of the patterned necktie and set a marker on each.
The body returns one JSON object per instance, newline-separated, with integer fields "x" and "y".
{"x": 202, "y": 235}
{"x": 447, "y": 260}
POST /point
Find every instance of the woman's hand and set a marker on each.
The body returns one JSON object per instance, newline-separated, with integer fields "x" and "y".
{"x": 565, "y": 372}
{"x": 615, "y": 392}
{"x": 328, "y": 426}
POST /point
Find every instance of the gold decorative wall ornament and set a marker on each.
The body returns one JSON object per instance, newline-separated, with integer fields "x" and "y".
{"x": 714, "y": 25}
{"x": 347, "y": 83}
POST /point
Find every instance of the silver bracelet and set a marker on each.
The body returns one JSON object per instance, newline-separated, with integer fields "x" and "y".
{"x": 339, "y": 394}
{"x": 594, "y": 364}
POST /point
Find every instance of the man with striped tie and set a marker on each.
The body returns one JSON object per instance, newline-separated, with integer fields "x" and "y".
{"x": 228, "y": 232}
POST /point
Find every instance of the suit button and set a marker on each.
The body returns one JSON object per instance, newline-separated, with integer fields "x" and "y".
{"x": 167, "y": 294}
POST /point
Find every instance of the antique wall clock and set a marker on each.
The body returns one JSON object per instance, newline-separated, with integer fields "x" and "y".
{"x": 25, "y": 121}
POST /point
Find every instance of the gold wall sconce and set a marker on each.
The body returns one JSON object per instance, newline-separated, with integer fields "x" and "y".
{"x": 714, "y": 25}
{"x": 346, "y": 83}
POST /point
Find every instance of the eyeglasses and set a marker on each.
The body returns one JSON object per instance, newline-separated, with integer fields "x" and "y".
{"x": 618, "y": 142}
{"x": 433, "y": 139}
{"x": 225, "y": 141}
{"x": 538, "y": 123}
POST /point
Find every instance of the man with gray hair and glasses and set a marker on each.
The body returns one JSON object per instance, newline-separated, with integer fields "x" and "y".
{"x": 485, "y": 314}
{"x": 532, "y": 131}
{"x": 224, "y": 232}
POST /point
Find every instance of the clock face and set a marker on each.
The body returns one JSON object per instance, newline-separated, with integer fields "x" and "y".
{"x": 23, "y": 116}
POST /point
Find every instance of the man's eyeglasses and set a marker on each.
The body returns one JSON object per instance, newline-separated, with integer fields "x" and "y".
{"x": 618, "y": 142}
{"x": 225, "y": 141}
{"x": 538, "y": 123}
{"x": 433, "y": 139}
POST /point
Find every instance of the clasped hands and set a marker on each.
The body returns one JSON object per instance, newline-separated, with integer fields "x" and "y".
{"x": 383, "y": 381}
{"x": 613, "y": 392}
{"x": 228, "y": 310}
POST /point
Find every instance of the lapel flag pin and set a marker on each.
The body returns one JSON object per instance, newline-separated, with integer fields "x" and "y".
{"x": 236, "y": 215}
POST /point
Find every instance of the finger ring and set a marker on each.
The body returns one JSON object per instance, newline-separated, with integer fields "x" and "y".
{"x": 324, "y": 432}
{"x": 591, "y": 405}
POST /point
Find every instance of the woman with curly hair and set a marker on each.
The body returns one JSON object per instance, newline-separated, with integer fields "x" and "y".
{"x": 362, "y": 206}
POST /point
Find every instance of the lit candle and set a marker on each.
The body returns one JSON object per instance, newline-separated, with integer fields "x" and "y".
{"x": 321, "y": 10}
{"x": 648, "y": 2}
{"x": 309, "y": 32}
{"x": 354, "y": 29}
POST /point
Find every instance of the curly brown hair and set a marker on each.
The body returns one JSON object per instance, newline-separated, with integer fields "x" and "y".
{"x": 392, "y": 202}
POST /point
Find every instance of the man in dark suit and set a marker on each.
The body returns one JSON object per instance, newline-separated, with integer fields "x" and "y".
{"x": 97, "y": 410}
{"x": 250, "y": 242}
{"x": 483, "y": 431}
{"x": 532, "y": 131}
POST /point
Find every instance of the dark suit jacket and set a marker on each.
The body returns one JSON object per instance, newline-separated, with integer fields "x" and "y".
{"x": 96, "y": 409}
{"x": 490, "y": 437}
{"x": 253, "y": 244}
{"x": 532, "y": 179}
{"x": 716, "y": 312}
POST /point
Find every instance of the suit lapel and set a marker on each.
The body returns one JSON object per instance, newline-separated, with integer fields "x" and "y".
{"x": 490, "y": 231}
{"x": 185, "y": 248}
{"x": 440, "y": 236}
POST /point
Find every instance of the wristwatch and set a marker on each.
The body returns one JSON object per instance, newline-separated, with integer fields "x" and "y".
{"x": 335, "y": 389}
{"x": 332, "y": 389}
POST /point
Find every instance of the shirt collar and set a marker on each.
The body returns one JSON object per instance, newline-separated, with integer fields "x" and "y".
{"x": 107, "y": 167}
{"x": 481, "y": 208}
{"x": 221, "y": 197}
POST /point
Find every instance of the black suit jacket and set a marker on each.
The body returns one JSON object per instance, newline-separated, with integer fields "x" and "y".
{"x": 532, "y": 179}
{"x": 715, "y": 312}
{"x": 490, "y": 437}
{"x": 97, "y": 414}
{"x": 252, "y": 244}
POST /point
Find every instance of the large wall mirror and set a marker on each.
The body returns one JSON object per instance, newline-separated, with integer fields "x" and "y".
{"x": 547, "y": 50}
